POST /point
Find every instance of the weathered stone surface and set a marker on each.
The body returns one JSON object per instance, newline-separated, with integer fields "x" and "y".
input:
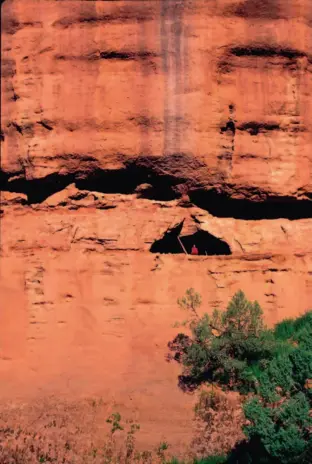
{"x": 217, "y": 94}
{"x": 82, "y": 323}
{"x": 125, "y": 125}
{"x": 124, "y": 222}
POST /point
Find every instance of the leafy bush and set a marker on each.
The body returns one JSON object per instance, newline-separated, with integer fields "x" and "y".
{"x": 283, "y": 430}
{"x": 234, "y": 349}
{"x": 225, "y": 347}
{"x": 209, "y": 460}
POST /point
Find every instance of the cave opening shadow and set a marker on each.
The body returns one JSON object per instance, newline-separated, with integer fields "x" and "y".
{"x": 38, "y": 190}
{"x": 126, "y": 180}
{"x": 206, "y": 243}
{"x": 222, "y": 205}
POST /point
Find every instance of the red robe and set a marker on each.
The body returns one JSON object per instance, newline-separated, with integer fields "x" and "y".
{"x": 194, "y": 250}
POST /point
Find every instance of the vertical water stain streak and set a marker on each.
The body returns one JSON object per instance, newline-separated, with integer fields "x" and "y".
{"x": 174, "y": 61}
{"x": 143, "y": 97}
{"x": 164, "y": 37}
{"x": 178, "y": 35}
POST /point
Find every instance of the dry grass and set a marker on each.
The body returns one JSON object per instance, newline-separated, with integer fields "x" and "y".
{"x": 78, "y": 433}
{"x": 64, "y": 433}
{"x": 25, "y": 447}
{"x": 219, "y": 421}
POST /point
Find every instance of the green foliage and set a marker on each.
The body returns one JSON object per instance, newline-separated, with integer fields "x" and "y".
{"x": 242, "y": 317}
{"x": 211, "y": 460}
{"x": 297, "y": 330}
{"x": 301, "y": 360}
{"x": 160, "y": 451}
{"x": 284, "y": 330}
{"x": 208, "y": 460}
{"x": 236, "y": 350}
{"x": 191, "y": 301}
{"x": 284, "y": 429}
{"x": 163, "y": 446}
{"x": 114, "y": 419}
{"x": 224, "y": 347}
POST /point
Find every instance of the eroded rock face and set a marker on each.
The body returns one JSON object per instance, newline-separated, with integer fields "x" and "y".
{"x": 213, "y": 94}
{"x": 130, "y": 130}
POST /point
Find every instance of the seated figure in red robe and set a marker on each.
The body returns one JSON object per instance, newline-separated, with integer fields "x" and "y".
{"x": 194, "y": 250}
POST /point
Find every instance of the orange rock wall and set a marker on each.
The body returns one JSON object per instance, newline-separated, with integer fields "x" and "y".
{"x": 91, "y": 85}
{"x": 121, "y": 121}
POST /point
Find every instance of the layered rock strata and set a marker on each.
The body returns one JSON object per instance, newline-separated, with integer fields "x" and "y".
{"x": 128, "y": 128}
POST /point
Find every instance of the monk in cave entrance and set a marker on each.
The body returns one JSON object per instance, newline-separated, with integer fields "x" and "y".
{"x": 194, "y": 250}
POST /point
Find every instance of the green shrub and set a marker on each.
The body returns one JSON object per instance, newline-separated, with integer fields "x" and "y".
{"x": 285, "y": 329}
{"x": 234, "y": 349}
{"x": 283, "y": 430}
{"x": 211, "y": 460}
{"x": 226, "y": 347}
{"x": 208, "y": 460}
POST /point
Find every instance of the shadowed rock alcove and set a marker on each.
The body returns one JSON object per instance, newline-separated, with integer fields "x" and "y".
{"x": 206, "y": 243}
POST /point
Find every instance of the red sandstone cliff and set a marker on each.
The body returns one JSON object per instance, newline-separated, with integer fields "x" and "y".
{"x": 123, "y": 125}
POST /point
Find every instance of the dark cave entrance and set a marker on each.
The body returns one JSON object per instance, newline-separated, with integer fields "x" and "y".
{"x": 120, "y": 181}
{"x": 222, "y": 205}
{"x": 207, "y": 244}
{"x": 38, "y": 190}
{"x": 127, "y": 180}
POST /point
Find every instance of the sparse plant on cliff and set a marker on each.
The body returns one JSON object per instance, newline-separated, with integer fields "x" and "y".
{"x": 114, "y": 419}
{"x": 190, "y": 302}
{"x": 161, "y": 451}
